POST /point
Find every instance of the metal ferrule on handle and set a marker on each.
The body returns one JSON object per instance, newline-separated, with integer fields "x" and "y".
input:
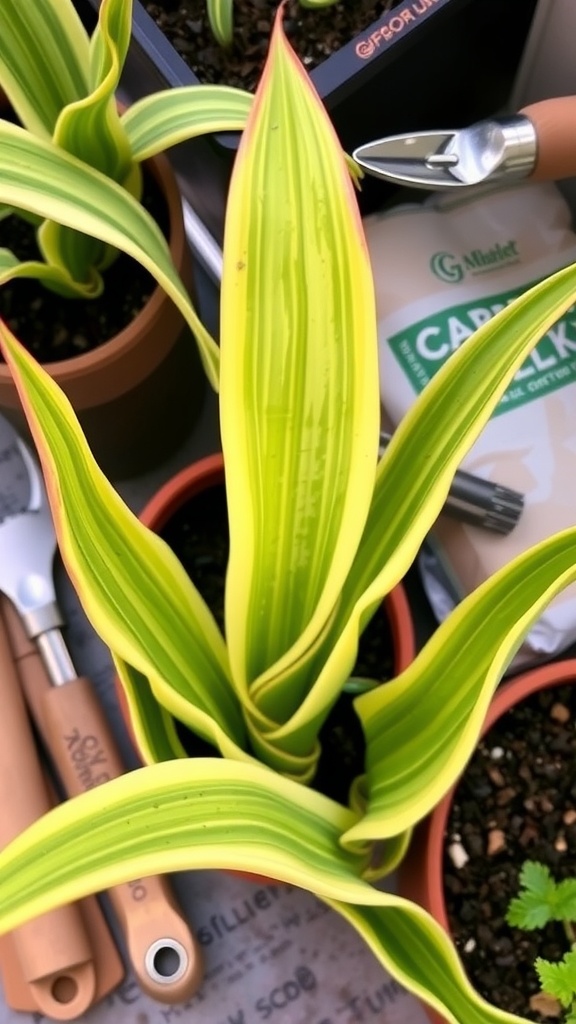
{"x": 43, "y": 625}
{"x": 495, "y": 149}
{"x": 480, "y": 502}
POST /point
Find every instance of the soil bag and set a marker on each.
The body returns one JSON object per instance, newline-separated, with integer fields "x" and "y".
{"x": 441, "y": 269}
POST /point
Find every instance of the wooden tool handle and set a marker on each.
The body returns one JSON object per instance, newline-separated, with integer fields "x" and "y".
{"x": 555, "y": 124}
{"x": 163, "y": 950}
{"x": 53, "y": 950}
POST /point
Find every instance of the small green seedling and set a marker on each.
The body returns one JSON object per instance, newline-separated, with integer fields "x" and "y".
{"x": 540, "y": 901}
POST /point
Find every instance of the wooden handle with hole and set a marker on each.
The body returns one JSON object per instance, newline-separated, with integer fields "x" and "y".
{"x": 53, "y": 951}
{"x": 163, "y": 950}
{"x": 82, "y": 747}
{"x": 555, "y": 124}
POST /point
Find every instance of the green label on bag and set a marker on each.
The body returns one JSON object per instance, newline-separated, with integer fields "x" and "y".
{"x": 422, "y": 348}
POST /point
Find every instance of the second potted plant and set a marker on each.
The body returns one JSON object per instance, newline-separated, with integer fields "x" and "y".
{"x": 108, "y": 325}
{"x": 514, "y": 802}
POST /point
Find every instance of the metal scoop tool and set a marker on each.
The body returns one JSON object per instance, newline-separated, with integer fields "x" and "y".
{"x": 536, "y": 144}
{"x": 163, "y": 951}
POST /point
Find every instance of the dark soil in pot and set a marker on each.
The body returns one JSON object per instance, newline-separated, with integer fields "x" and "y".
{"x": 198, "y": 534}
{"x": 516, "y": 801}
{"x": 314, "y": 33}
{"x": 76, "y": 326}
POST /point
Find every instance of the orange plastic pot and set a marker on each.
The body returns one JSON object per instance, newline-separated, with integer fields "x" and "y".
{"x": 421, "y": 874}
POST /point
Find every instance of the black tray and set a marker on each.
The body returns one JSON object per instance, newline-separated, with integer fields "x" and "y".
{"x": 427, "y": 63}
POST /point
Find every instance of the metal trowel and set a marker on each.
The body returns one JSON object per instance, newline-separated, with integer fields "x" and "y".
{"x": 164, "y": 953}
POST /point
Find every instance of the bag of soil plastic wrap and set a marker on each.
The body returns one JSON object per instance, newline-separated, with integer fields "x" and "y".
{"x": 441, "y": 269}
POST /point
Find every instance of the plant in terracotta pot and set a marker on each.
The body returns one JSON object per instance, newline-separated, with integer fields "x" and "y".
{"x": 515, "y": 802}
{"x": 80, "y": 184}
{"x": 320, "y": 532}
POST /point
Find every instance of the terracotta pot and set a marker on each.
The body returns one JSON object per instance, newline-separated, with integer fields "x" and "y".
{"x": 421, "y": 875}
{"x": 138, "y": 395}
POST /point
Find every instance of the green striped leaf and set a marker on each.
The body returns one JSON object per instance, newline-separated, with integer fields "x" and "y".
{"x": 157, "y": 122}
{"x": 90, "y": 129}
{"x": 39, "y": 177}
{"x": 56, "y": 278}
{"x": 416, "y": 952}
{"x": 414, "y": 477}
{"x": 220, "y": 16}
{"x": 153, "y": 727}
{"x": 44, "y": 59}
{"x": 182, "y": 814}
{"x": 422, "y": 727}
{"x": 206, "y": 813}
{"x": 110, "y": 42}
{"x": 299, "y": 401}
{"x": 133, "y": 588}
{"x": 416, "y": 472}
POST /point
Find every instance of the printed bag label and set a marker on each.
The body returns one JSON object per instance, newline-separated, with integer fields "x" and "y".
{"x": 422, "y": 348}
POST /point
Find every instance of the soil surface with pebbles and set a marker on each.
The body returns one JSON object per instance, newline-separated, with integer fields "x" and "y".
{"x": 516, "y": 802}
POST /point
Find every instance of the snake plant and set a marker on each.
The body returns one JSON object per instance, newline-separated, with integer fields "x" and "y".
{"x": 320, "y": 531}
{"x": 73, "y": 163}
